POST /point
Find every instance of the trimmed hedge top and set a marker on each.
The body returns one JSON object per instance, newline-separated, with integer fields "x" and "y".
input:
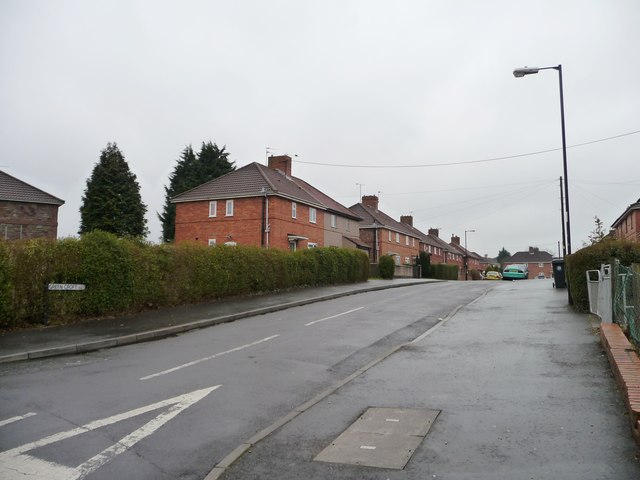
{"x": 128, "y": 275}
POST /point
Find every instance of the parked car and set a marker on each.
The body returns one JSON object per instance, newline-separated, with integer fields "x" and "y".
{"x": 493, "y": 276}
{"x": 515, "y": 272}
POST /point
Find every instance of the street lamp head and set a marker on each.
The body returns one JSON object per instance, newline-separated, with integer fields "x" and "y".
{"x": 521, "y": 72}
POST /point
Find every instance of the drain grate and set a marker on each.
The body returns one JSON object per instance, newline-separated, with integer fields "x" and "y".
{"x": 381, "y": 437}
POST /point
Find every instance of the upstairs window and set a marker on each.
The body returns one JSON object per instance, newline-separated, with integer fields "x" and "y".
{"x": 212, "y": 242}
{"x": 294, "y": 210}
{"x": 397, "y": 239}
{"x": 334, "y": 221}
{"x": 312, "y": 215}
{"x": 389, "y": 235}
{"x": 229, "y": 208}
{"x": 213, "y": 208}
{"x": 406, "y": 239}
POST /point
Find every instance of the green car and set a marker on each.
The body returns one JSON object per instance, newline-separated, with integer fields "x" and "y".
{"x": 515, "y": 272}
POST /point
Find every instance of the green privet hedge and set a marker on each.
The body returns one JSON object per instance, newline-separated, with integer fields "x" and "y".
{"x": 443, "y": 271}
{"x": 128, "y": 275}
{"x": 590, "y": 258}
{"x": 386, "y": 267}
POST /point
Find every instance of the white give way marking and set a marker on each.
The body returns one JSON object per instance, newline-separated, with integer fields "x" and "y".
{"x": 18, "y": 464}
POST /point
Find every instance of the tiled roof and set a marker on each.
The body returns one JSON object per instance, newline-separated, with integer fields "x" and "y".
{"x": 14, "y": 190}
{"x": 531, "y": 256}
{"x": 253, "y": 180}
{"x": 369, "y": 215}
{"x": 460, "y": 249}
{"x": 329, "y": 202}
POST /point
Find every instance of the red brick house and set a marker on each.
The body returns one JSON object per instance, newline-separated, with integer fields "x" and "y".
{"x": 385, "y": 235}
{"x": 26, "y": 211}
{"x": 430, "y": 243}
{"x": 466, "y": 257}
{"x": 538, "y": 262}
{"x": 266, "y": 206}
{"x": 627, "y": 225}
{"x": 440, "y": 250}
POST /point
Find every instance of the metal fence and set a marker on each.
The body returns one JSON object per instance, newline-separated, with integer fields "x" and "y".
{"x": 626, "y": 298}
{"x": 614, "y": 295}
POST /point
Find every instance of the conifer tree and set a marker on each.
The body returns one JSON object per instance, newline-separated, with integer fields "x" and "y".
{"x": 190, "y": 171}
{"x": 112, "y": 201}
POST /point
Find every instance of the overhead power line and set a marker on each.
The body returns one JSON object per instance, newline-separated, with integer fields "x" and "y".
{"x": 485, "y": 160}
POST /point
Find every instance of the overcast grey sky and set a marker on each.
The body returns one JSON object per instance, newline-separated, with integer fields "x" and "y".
{"x": 355, "y": 84}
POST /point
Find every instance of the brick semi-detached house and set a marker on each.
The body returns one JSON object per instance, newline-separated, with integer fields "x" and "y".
{"x": 538, "y": 262}
{"x": 26, "y": 211}
{"x": 386, "y": 235}
{"x": 627, "y": 225}
{"x": 264, "y": 206}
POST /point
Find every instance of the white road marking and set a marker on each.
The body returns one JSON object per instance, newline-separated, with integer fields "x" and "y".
{"x": 195, "y": 362}
{"x": 392, "y": 419}
{"x": 15, "y": 419}
{"x": 333, "y": 316}
{"x": 17, "y": 464}
{"x": 367, "y": 447}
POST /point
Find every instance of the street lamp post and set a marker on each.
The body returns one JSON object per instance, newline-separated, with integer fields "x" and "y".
{"x": 466, "y": 255}
{"x": 521, "y": 72}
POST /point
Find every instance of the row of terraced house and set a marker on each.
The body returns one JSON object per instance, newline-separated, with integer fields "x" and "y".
{"x": 268, "y": 206}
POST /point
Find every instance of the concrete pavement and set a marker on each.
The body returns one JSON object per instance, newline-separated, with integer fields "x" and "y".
{"x": 91, "y": 335}
{"x": 523, "y": 388}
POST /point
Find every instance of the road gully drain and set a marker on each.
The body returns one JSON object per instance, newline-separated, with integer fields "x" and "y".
{"x": 381, "y": 437}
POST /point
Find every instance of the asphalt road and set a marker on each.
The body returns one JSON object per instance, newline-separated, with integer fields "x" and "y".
{"x": 176, "y": 407}
{"x": 523, "y": 391}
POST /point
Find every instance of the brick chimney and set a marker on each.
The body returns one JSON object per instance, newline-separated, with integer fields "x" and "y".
{"x": 407, "y": 220}
{"x": 435, "y": 232}
{"x": 370, "y": 201}
{"x": 533, "y": 250}
{"x": 455, "y": 240}
{"x": 281, "y": 162}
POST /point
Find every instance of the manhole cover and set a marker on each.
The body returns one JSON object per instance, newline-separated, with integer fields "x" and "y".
{"x": 381, "y": 437}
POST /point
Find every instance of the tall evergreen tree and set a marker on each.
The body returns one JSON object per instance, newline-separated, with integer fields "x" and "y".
{"x": 503, "y": 255}
{"x": 190, "y": 171}
{"x": 112, "y": 201}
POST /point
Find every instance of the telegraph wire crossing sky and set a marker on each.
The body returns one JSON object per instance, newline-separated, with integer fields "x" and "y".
{"x": 414, "y": 101}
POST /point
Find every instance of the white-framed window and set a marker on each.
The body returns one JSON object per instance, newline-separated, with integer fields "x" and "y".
{"x": 541, "y": 265}
{"x": 397, "y": 238}
{"x": 389, "y": 235}
{"x": 229, "y": 212}
{"x": 312, "y": 245}
{"x": 212, "y": 242}
{"x": 413, "y": 242}
{"x": 429, "y": 248}
{"x": 213, "y": 208}
{"x": 312, "y": 215}
{"x": 407, "y": 261}
{"x": 406, "y": 239}
{"x": 334, "y": 221}
{"x": 294, "y": 209}
{"x": 348, "y": 225}
{"x": 397, "y": 259}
